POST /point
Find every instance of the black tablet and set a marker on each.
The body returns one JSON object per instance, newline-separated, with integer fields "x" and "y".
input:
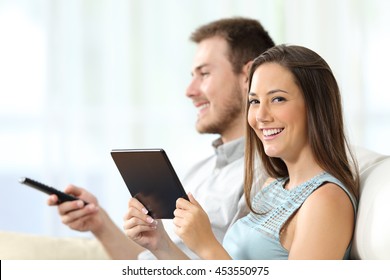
{"x": 150, "y": 177}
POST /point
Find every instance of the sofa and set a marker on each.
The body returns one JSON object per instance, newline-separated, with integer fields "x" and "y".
{"x": 371, "y": 239}
{"x": 372, "y": 231}
{"x": 23, "y": 246}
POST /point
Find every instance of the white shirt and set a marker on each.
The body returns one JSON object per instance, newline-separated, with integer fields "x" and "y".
{"x": 217, "y": 184}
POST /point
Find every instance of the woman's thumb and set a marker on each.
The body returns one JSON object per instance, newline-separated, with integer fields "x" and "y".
{"x": 192, "y": 199}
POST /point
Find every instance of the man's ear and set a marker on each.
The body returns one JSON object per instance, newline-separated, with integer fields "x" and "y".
{"x": 245, "y": 70}
{"x": 245, "y": 76}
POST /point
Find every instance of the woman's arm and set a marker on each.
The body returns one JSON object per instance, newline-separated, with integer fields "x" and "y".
{"x": 324, "y": 225}
{"x": 149, "y": 233}
{"x": 194, "y": 228}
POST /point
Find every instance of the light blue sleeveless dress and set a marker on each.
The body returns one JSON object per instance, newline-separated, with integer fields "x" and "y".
{"x": 257, "y": 236}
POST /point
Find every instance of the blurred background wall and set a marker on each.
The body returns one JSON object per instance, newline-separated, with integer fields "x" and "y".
{"x": 81, "y": 77}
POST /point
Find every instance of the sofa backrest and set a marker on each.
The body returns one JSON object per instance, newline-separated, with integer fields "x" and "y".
{"x": 372, "y": 231}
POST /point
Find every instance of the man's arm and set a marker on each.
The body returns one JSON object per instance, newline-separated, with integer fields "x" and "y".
{"x": 92, "y": 218}
{"x": 115, "y": 242}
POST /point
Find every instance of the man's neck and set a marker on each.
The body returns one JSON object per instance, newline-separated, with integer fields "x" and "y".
{"x": 232, "y": 134}
{"x": 227, "y": 139}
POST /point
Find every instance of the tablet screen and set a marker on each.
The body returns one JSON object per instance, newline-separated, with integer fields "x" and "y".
{"x": 150, "y": 177}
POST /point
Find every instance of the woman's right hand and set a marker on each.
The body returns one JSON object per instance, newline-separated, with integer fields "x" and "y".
{"x": 142, "y": 228}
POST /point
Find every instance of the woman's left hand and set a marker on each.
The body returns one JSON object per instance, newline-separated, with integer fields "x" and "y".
{"x": 192, "y": 225}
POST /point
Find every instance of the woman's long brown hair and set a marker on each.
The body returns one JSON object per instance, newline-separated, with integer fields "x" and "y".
{"x": 324, "y": 114}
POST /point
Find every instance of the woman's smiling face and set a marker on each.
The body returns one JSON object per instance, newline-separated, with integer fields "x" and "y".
{"x": 277, "y": 112}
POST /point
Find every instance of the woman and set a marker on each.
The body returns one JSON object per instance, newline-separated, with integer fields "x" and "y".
{"x": 306, "y": 210}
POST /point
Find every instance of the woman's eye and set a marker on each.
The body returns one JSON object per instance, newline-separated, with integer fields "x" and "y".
{"x": 278, "y": 99}
{"x": 253, "y": 101}
{"x": 204, "y": 74}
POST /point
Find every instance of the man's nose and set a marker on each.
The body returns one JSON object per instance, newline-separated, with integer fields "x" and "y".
{"x": 193, "y": 88}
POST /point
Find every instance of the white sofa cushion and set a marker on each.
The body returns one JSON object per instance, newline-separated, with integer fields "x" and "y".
{"x": 372, "y": 231}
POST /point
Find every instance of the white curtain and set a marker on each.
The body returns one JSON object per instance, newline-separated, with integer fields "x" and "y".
{"x": 81, "y": 77}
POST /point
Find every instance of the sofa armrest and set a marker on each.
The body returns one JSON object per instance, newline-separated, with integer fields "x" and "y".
{"x": 21, "y": 246}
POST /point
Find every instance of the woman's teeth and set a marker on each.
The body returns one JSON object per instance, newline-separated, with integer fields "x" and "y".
{"x": 269, "y": 132}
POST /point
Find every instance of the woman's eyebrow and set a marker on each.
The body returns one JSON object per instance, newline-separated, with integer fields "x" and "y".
{"x": 273, "y": 91}
{"x": 276, "y": 90}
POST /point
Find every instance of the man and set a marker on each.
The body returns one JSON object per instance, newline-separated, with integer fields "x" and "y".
{"x": 218, "y": 89}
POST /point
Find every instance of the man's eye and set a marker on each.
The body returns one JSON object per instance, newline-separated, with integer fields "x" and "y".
{"x": 203, "y": 74}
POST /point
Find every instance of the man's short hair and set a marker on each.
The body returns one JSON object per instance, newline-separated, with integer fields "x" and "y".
{"x": 246, "y": 38}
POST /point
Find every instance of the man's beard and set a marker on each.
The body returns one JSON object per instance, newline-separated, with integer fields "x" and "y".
{"x": 224, "y": 119}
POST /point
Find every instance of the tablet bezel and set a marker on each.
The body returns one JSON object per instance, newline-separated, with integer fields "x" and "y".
{"x": 151, "y": 178}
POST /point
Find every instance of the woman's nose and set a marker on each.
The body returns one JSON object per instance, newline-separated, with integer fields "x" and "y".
{"x": 263, "y": 113}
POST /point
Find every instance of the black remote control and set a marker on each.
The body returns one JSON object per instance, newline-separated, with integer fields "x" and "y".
{"x": 62, "y": 197}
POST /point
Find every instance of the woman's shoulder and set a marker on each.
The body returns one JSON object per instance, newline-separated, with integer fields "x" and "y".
{"x": 328, "y": 199}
